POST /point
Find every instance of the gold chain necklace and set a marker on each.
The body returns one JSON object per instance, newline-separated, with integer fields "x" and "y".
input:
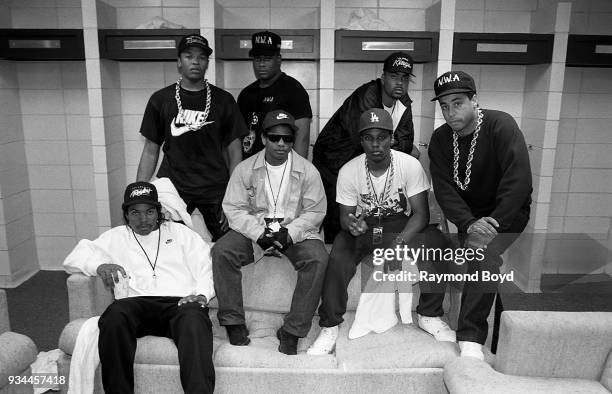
{"x": 179, "y": 104}
{"x": 468, "y": 165}
{"x": 386, "y": 189}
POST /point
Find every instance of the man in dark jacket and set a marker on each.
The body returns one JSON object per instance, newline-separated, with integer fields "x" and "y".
{"x": 339, "y": 141}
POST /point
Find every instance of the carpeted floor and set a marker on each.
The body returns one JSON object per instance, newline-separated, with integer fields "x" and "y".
{"x": 565, "y": 292}
{"x": 39, "y": 308}
{"x": 577, "y": 283}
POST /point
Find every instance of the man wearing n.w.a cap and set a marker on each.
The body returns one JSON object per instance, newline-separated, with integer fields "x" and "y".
{"x": 200, "y": 128}
{"x": 339, "y": 140}
{"x": 482, "y": 180}
{"x": 272, "y": 90}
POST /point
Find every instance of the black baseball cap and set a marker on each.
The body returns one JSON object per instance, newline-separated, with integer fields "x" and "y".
{"x": 375, "y": 118}
{"x": 277, "y": 117}
{"x": 398, "y": 62}
{"x": 140, "y": 193}
{"x": 265, "y": 43}
{"x": 194, "y": 40}
{"x": 453, "y": 82}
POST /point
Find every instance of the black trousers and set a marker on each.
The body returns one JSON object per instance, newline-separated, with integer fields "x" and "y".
{"x": 477, "y": 297}
{"x": 212, "y": 214}
{"x": 130, "y": 318}
{"x": 234, "y": 251}
{"x": 347, "y": 251}
{"x": 331, "y": 222}
{"x": 329, "y": 177}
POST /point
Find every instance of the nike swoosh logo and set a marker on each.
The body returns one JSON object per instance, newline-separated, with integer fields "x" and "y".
{"x": 177, "y": 131}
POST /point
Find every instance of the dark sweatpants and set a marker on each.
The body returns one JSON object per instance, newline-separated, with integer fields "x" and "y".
{"x": 233, "y": 251}
{"x": 477, "y": 297}
{"x": 331, "y": 222}
{"x": 212, "y": 214}
{"x": 129, "y": 318}
{"x": 347, "y": 251}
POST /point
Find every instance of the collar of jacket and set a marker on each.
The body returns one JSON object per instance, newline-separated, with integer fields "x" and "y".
{"x": 297, "y": 164}
{"x": 405, "y": 99}
{"x": 293, "y": 196}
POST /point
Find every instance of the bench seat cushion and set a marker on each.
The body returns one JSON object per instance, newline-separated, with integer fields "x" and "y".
{"x": 403, "y": 346}
{"x": 468, "y": 375}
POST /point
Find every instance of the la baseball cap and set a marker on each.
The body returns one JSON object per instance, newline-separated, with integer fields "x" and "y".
{"x": 265, "y": 43}
{"x": 453, "y": 82}
{"x": 277, "y": 117}
{"x": 375, "y": 118}
{"x": 398, "y": 62}
{"x": 140, "y": 193}
{"x": 194, "y": 40}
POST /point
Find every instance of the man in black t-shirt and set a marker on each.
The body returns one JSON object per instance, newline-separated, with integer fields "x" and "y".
{"x": 273, "y": 90}
{"x": 200, "y": 128}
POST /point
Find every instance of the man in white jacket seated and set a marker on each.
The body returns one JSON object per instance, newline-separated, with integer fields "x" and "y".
{"x": 169, "y": 275}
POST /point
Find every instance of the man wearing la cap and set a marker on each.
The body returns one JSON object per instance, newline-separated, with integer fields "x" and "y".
{"x": 200, "y": 128}
{"x": 272, "y": 90}
{"x": 482, "y": 180}
{"x": 382, "y": 195}
{"x": 275, "y": 200}
{"x": 169, "y": 278}
{"x": 339, "y": 140}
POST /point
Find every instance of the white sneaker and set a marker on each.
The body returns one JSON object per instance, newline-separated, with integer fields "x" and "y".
{"x": 471, "y": 349}
{"x": 438, "y": 328}
{"x": 325, "y": 342}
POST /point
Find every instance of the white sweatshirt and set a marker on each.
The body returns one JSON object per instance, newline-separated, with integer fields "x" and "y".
{"x": 183, "y": 267}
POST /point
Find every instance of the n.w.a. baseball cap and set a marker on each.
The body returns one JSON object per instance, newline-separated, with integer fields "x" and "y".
{"x": 265, "y": 43}
{"x": 140, "y": 193}
{"x": 277, "y": 117}
{"x": 375, "y": 118}
{"x": 398, "y": 62}
{"x": 194, "y": 40}
{"x": 453, "y": 82}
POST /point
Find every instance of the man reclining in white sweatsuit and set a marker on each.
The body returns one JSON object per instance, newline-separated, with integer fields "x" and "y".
{"x": 169, "y": 284}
